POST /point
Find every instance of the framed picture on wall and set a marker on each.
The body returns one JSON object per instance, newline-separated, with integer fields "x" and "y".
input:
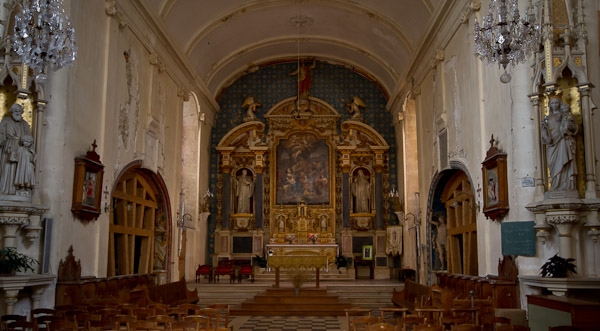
{"x": 87, "y": 186}
{"x": 495, "y": 187}
{"x": 367, "y": 252}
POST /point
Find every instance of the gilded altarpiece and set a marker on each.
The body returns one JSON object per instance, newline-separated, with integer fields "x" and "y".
{"x": 315, "y": 180}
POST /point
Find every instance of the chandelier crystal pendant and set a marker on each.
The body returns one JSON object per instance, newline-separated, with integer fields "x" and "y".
{"x": 43, "y": 35}
{"x": 505, "y": 37}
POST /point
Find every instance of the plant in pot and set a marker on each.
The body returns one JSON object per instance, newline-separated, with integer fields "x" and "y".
{"x": 298, "y": 276}
{"x": 259, "y": 261}
{"x": 558, "y": 267}
{"x": 12, "y": 261}
{"x": 342, "y": 261}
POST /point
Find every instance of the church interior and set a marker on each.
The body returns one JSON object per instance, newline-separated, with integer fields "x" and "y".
{"x": 436, "y": 145}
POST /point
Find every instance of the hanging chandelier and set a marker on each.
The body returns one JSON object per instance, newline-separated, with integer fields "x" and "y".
{"x": 43, "y": 35}
{"x": 505, "y": 37}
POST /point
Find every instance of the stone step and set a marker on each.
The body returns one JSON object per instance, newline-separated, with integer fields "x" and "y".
{"x": 286, "y": 302}
{"x": 371, "y": 294}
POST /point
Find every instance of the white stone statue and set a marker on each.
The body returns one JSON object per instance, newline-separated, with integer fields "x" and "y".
{"x": 12, "y": 129}
{"x": 244, "y": 191}
{"x": 26, "y": 158}
{"x": 354, "y": 108}
{"x": 361, "y": 189}
{"x": 251, "y": 106}
{"x": 558, "y": 133}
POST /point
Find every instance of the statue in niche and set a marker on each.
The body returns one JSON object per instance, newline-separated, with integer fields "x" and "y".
{"x": 558, "y": 133}
{"x": 160, "y": 250}
{"x": 244, "y": 192}
{"x": 439, "y": 239}
{"x": 302, "y": 208}
{"x": 12, "y": 129}
{"x": 281, "y": 223}
{"x": 251, "y": 106}
{"x": 361, "y": 189}
{"x": 323, "y": 223}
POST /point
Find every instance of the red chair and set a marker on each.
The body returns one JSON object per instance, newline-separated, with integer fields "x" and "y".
{"x": 203, "y": 270}
{"x": 225, "y": 267}
{"x": 246, "y": 270}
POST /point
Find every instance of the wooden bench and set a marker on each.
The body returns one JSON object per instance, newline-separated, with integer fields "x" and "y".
{"x": 172, "y": 294}
{"x": 411, "y": 295}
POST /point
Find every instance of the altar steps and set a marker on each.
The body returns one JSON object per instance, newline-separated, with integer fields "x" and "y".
{"x": 364, "y": 293}
{"x": 310, "y": 301}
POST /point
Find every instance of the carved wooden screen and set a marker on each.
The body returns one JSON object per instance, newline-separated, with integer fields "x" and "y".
{"x": 132, "y": 227}
{"x": 461, "y": 244}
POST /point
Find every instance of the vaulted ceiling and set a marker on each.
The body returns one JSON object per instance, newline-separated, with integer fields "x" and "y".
{"x": 223, "y": 39}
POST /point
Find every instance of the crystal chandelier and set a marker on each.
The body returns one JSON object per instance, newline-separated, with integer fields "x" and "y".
{"x": 43, "y": 35}
{"x": 506, "y": 38}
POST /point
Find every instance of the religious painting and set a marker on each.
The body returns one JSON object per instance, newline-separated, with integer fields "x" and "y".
{"x": 367, "y": 252}
{"x": 302, "y": 170}
{"x": 87, "y": 186}
{"x": 495, "y": 187}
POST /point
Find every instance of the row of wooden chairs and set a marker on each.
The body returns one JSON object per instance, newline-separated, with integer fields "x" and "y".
{"x": 190, "y": 323}
{"x": 399, "y": 318}
{"x": 105, "y": 317}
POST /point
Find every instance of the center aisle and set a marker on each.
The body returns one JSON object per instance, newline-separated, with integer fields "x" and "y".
{"x": 289, "y": 323}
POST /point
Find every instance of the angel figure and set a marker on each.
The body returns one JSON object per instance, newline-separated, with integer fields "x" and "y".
{"x": 354, "y": 108}
{"x": 251, "y": 104}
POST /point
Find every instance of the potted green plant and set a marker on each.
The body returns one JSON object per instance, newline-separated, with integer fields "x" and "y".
{"x": 342, "y": 262}
{"x": 12, "y": 261}
{"x": 558, "y": 267}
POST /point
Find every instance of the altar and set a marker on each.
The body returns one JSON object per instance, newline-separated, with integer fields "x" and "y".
{"x": 297, "y": 261}
{"x": 329, "y": 251}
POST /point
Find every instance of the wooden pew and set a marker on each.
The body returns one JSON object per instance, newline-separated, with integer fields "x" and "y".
{"x": 172, "y": 294}
{"x": 73, "y": 289}
{"x": 413, "y": 294}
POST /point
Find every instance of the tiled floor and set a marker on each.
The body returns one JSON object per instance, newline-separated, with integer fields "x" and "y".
{"x": 289, "y": 323}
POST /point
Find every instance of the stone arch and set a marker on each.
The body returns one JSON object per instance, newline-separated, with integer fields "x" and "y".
{"x": 139, "y": 215}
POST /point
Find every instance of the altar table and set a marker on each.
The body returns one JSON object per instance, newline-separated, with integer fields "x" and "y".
{"x": 296, "y": 261}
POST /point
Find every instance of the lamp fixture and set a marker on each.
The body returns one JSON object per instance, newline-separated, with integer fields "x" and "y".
{"x": 505, "y": 37}
{"x": 43, "y": 35}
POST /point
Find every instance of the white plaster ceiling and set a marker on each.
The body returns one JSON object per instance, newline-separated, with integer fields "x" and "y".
{"x": 222, "y": 39}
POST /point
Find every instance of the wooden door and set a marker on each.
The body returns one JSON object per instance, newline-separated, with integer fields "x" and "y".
{"x": 461, "y": 226}
{"x": 132, "y": 226}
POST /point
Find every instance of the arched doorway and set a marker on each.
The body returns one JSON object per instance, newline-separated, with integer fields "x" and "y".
{"x": 461, "y": 222}
{"x": 139, "y": 229}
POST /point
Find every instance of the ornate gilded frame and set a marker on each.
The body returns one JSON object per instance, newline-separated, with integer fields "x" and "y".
{"x": 87, "y": 185}
{"x": 495, "y": 196}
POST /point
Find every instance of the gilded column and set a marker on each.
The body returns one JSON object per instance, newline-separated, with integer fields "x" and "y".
{"x": 226, "y": 166}
{"x": 259, "y": 156}
{"x": 346, "y": 165}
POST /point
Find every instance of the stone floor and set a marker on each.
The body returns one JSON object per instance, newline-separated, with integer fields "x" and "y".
{"x": 289, "y": 323}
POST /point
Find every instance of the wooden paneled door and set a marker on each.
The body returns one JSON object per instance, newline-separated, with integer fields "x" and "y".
{"x": 461, "y": 226}
{"x": 132, "y": 226}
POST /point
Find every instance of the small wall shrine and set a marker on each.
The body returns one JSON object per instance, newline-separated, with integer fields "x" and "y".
{"x": 307, "y": 180}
